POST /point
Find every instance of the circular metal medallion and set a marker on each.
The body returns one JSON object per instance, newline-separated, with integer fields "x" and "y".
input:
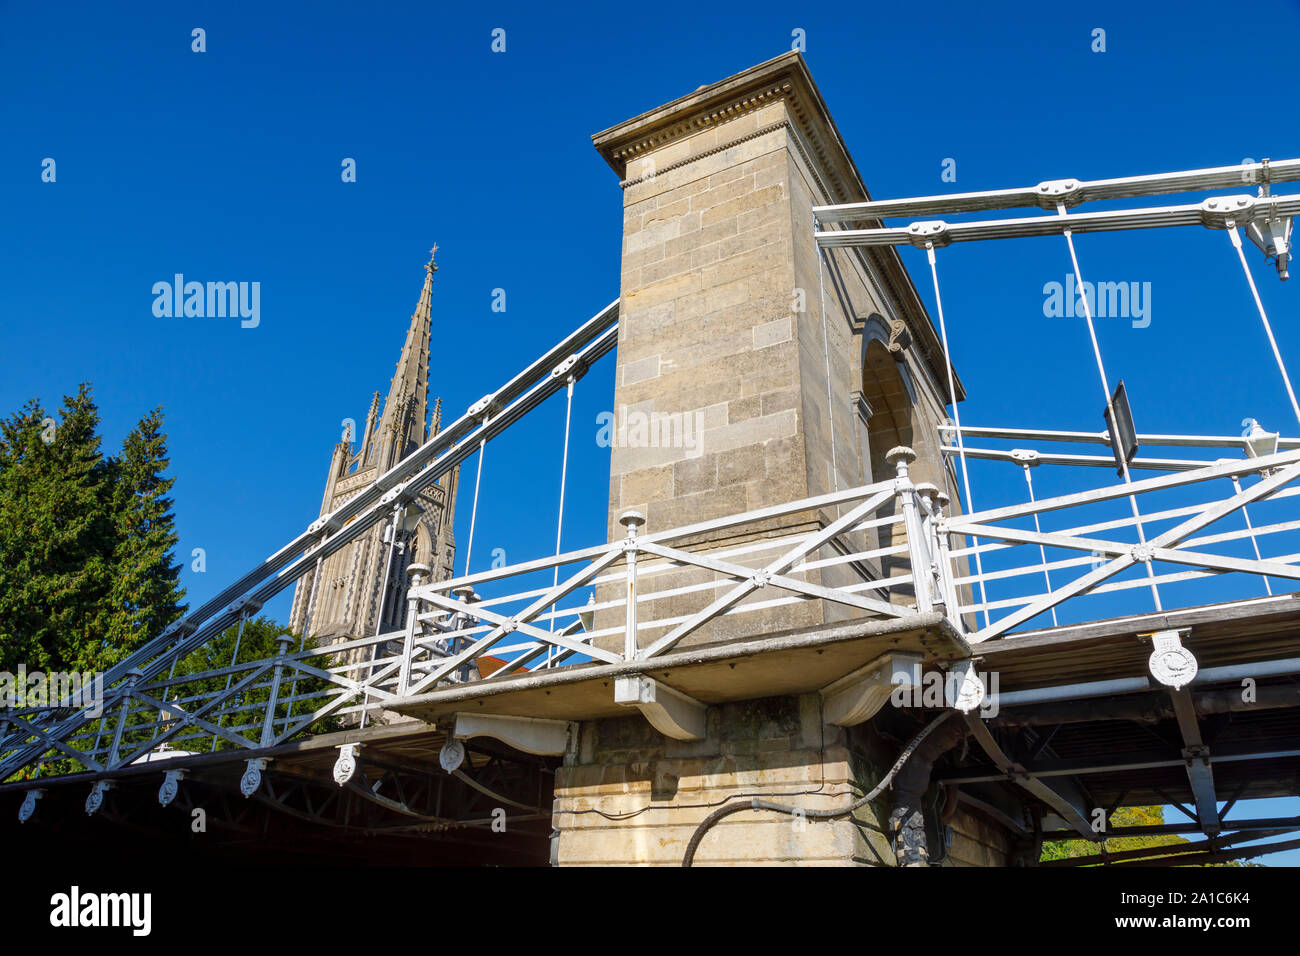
{"x": 452, "y": 755}
{"x": 1173, "y": 666}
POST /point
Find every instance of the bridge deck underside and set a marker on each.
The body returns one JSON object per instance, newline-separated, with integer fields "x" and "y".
{"x": 1128, "y": 749}
{"x": 1115, "y": 750}
{"x": 1221, "y": 634}
{"x": 401, "y": 807}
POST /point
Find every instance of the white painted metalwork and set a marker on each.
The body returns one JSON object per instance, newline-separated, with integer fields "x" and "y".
{"x": 28, "y": 740}
{"x": 452, "y": 632}
{"x": 956, "y": 412}
{"x": 1246, "y": 208}
{"x": 1071, "y": 192}
{"x": 1267, "y": 219}
{"x": 345, "y": 767}
{"x": 170, "y": 787}
{"x": 28, "y": 808}
{"x": 454, "y": 636}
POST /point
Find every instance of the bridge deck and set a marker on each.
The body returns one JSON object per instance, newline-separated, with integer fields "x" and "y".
{"x": 1239, "y": 632}
{"x": 1101, "y": 747}
{"x": 794, "y": 662}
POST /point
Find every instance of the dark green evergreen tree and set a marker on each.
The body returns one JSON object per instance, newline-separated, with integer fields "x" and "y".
{"x": 86, "y": 565}
{"x": 146, "y": 594}
{"x": 56, "y": 536}
{"x": 88, "y": 571}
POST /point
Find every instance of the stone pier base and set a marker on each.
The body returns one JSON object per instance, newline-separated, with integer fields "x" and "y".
{"x": 627, "y": 795}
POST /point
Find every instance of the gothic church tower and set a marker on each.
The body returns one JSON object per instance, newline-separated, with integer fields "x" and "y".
{"x": 361, "y": 589}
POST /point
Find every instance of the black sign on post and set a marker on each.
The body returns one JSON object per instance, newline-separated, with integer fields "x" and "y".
{"x": 1123, "y": 435}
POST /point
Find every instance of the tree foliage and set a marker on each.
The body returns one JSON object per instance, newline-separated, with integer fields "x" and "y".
{"x": 88, "y": 575}
{"x": 86, "y": 569}
{"x": 1123, "y": 817}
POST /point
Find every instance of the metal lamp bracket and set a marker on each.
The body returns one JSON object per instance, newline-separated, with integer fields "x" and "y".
{"x": 1271, "y": 234}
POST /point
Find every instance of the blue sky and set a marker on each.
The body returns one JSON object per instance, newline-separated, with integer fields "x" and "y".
{"x": 225, "y": 165}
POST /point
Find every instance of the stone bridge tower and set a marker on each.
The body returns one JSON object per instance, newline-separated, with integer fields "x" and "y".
{"x": 360, "y": 591}
{"x": 788, "y": 373}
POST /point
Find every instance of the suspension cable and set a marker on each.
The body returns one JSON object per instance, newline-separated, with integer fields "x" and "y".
{"x": 1235, "y": 236}
{"x": 1042, "y": 552}
{"x": 559, "y": 521}
{"x": 956, "y": 420}
{"x": 473, "y": 514}
{"x": 1110, "y": 407}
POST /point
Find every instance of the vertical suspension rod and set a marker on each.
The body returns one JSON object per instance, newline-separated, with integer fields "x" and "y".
{"x": 1110, "y": 408}
{"x": 956, "y": 421}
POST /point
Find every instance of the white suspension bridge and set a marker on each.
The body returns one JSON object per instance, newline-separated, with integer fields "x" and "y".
{"x": 575, "y": 634}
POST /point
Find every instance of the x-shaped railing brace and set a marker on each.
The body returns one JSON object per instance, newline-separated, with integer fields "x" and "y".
{"x": 1129, "y": 554}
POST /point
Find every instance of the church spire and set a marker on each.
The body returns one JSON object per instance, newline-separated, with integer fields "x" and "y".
{"x": 403, "y": 427}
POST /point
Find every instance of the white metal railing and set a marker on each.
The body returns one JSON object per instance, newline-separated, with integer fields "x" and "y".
{"x": 542, "y": 627}
{"x": 452, "y": 626}
{"x": 892, "y": 549}
{"x": 1178, "y": 507}
{"x": 249, "y": 705}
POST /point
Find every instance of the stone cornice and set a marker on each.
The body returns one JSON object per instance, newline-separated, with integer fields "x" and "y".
{"x": 619, "y": 153}
{"x": 785, "y": 78}
{"x": 722, "y": 147}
